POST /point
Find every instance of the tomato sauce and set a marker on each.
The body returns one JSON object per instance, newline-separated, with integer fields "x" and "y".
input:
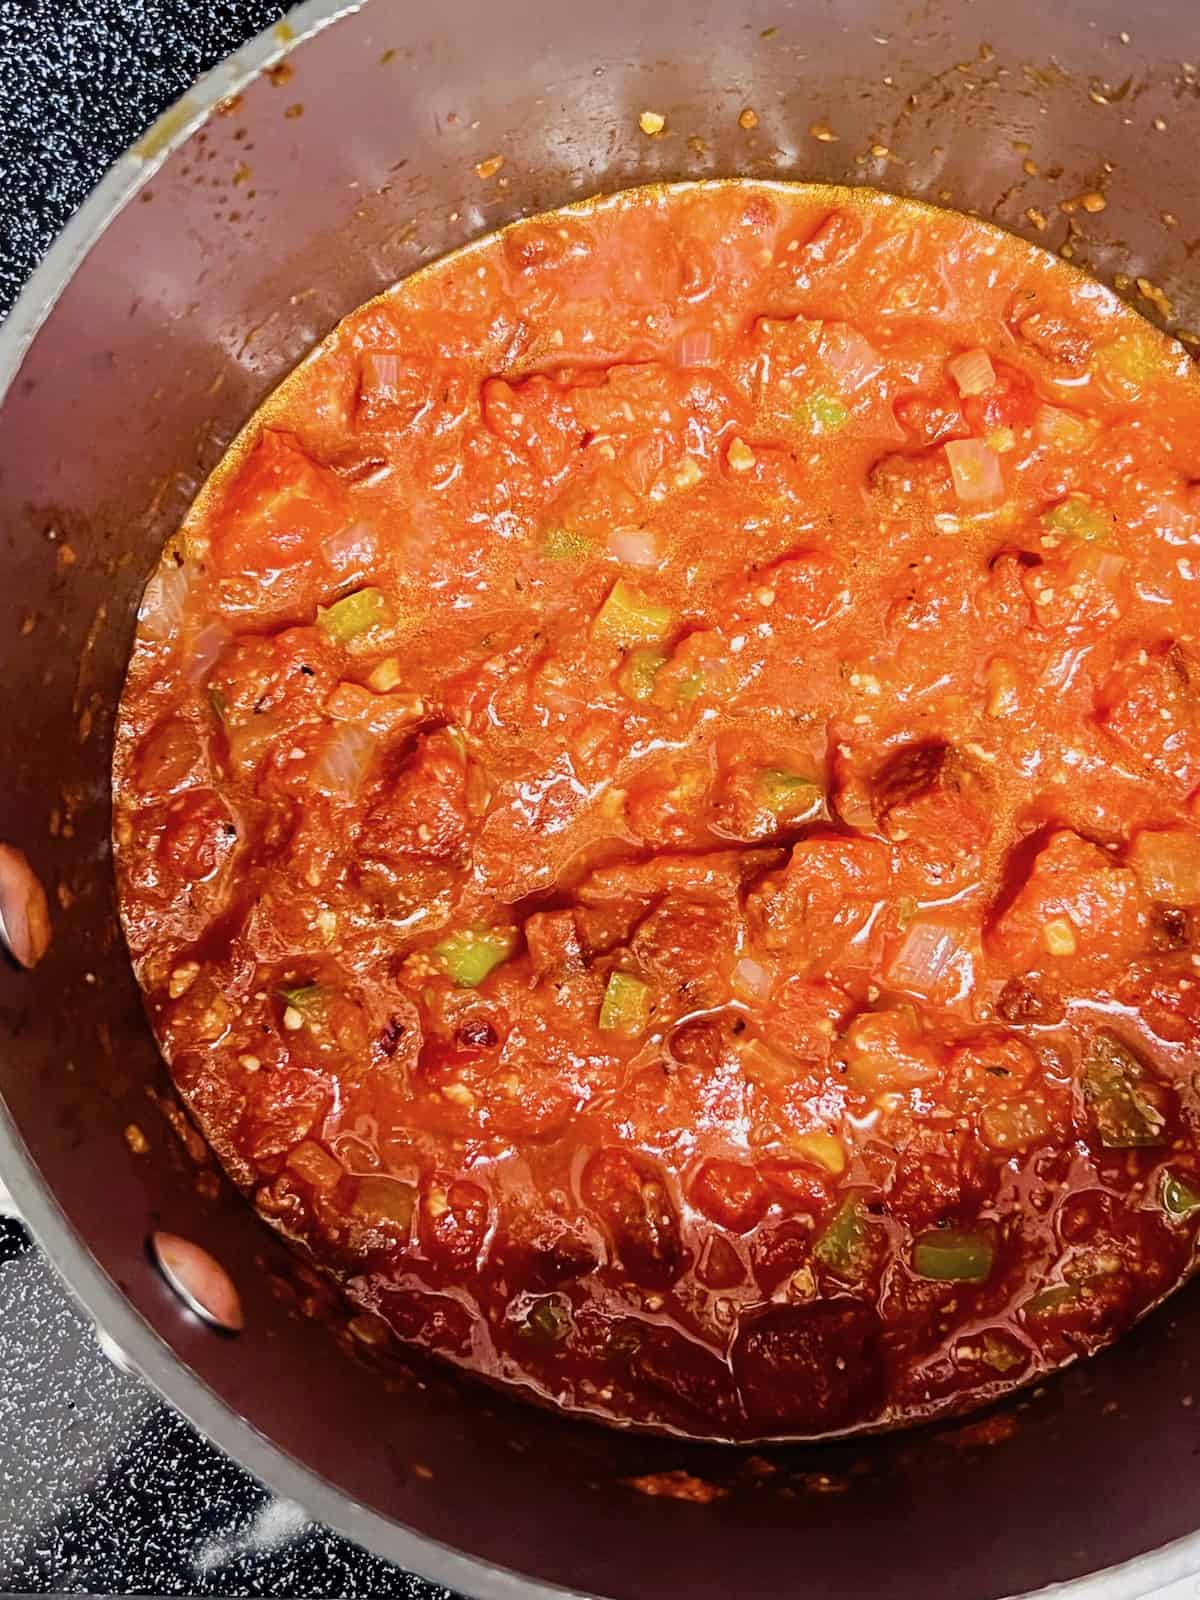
{"x": 656, "y": 810}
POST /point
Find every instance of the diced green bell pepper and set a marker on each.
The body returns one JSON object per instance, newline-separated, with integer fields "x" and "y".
{"x": 1134, "y": 357}
{"x": 1178, "y": 1197}
{"x": 626, "y": 1004}
{"x": 843, "y": 1247}
{"x": 548, "y": 1321}
{"x": 823, "y": 413}
{"x": 628, "y": 617}
{"x": 639, "y": 671}
{"x": 355, "y": 614}
{"x": 309, "y": 999}
{"x": 220, "y": 706}
{"x": 1079, "y": 518}
{"x": 788, "y": 794}
{"x": 1055, "y": 1298}
{"x": 1125, "y": 1115}
{"x": 469, "y": 956}
{"x": 305, "y": 1006}
{"x": 564, "y": 544}
{"x": 952, "y": 1255}
{"x": 689, "y": 688}
{"x": 383, "y": 1200}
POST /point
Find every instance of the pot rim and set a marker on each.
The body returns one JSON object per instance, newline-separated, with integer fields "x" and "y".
{"x": 89, "y": 1285}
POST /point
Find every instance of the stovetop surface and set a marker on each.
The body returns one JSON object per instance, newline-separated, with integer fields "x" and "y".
{"x": 104, "y": 1489}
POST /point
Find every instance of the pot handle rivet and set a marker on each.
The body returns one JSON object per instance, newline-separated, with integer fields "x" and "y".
{"x": 199, "y": 1280}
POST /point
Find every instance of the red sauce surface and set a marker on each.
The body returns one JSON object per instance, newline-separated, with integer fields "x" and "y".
{"x": 656, "y": 810}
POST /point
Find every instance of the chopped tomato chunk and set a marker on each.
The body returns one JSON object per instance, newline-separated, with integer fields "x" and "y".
{"x": 824, "y": 898}
{"x": 1075, "y": 903}
{"x": 279, "y": 509}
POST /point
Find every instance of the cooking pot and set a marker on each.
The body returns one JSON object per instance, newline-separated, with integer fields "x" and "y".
{"x": 330, "y": 157}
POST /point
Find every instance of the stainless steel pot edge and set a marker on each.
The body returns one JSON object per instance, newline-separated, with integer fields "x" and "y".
{"x": 92, "y": 1288}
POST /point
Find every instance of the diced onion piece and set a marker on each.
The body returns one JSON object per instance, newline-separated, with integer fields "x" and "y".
{"x": 555, "y": 697}
{"x": 161, "y": 611}
{"x": 626, "y": 1004}
{"x": 1095, "y": 566}
{"x": 696, "y": 348}
{"x": 931, "y": 951}
{"x": 1167, "y": 864}
{"x": 1107, "y": 566}
{"x": 752, "y": 979}
{"x": 24, "y": 910}
{"x": 851, "y": 357}
{"x": 469, "y": 956}
{"x": 972, "y": 372}
{"x": 380, "y": 374}
{"x": 344, "y": 761}
{"x": 206, "y": 650}
{"x": 385, "y": 1202}
{"x": 1058, "y": 936}
{"x": 628, "y": 617}
{"x": 951, "y": 1255}
{"x": 763, "y": 1065}
{"x": 1003, "y": 697}
{"x": 1053, "y": 425}
{"x": 975, "y": 468}
{"x": 386, "y": 676}
{"x": 355, "y": 614}
{"x": 823, "y": 1148}
{"x": 634, "y": 547}
{"x": 355, "y": 546}
{"x": 316, "y": 1166}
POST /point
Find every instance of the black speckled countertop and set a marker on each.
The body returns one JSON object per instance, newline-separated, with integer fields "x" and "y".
{"x": 103, "y": 1489}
